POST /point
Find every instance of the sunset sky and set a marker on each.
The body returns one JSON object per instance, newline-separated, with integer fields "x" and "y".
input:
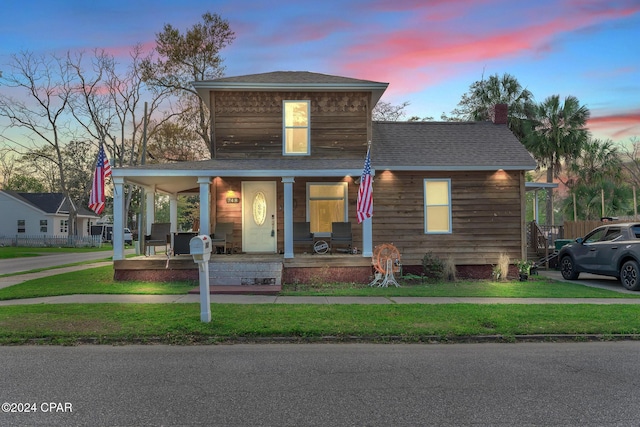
{"x": 429, "y": 51}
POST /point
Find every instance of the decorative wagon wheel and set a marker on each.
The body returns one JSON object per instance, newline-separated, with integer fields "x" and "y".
{"x": 386, "y": 261}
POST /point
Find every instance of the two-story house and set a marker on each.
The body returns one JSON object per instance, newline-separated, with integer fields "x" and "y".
{"x": 289, "y": 147}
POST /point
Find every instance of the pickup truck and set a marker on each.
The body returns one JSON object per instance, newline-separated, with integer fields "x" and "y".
{"x": 609, "y": 250}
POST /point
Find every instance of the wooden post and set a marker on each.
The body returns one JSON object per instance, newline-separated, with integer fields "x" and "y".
{"x": 635, "y": 205}
{"x": 602, "y": 200}
{"x": 575, "y": 209}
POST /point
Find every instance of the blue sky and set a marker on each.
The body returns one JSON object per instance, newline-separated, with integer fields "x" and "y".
{"x": 429, "y": 51}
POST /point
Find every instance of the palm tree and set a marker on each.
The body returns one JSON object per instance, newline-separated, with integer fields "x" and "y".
{"x": 478, "y": 104}
{"x": 557, "y": 134}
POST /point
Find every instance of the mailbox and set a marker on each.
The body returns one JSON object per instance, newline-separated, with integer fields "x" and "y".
{"x": 200, "y": 248}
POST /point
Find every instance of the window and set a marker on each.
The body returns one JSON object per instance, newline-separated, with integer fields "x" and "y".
{"x": 437, "y": 206}
{"x": 21, "y": 226}
{"x": 326, "y": 203}
{"x": 43, "y": 225}
{"x": 64, "y": 225}
{"x": 296, "y": 129}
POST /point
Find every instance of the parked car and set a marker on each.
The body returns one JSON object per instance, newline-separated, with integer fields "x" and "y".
{"x": 609, "y": 250}
{"x": 128, "y": 237}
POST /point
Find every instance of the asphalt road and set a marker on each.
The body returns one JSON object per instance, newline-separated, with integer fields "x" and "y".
{"x": 531, "y": 384}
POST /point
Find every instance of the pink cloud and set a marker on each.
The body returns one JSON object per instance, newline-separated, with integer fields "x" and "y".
{"x": 620, "y": 125}
{"x": 420, "y": 49}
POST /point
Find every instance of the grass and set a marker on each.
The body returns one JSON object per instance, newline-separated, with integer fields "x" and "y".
{"x": 540, "y": 287}
{"x": 91, "y": 281}
{"x": 70, "y": 324}
{"x": 180, "y": 323}
{"x": 7, "y": 252}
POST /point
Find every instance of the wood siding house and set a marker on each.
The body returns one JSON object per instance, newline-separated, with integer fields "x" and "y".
{"x": 296, "y": 141}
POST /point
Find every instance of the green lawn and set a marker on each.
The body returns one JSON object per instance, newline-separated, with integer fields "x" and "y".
{"x": 180, "y": 323}
{"x": 91, "y": 281}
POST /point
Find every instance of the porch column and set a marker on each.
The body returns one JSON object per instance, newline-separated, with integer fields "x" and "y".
{"x": 118, "y": 218}
{"x": 367, "y": 239}
{"x": 205, "y": 204}
{"x": 288, "y": 215}
{"x": 150, "y": 208}
{"x": 173, "y": 212}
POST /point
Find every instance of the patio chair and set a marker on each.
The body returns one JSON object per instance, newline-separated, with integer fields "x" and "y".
{"x": 341, "y": 235}
{"x": 223, "y": 236}
{"x": 302, "y": 234}
{"x": 160, "y": 236}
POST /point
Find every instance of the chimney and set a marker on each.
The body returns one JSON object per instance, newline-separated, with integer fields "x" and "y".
{"x": 500, "y": 114}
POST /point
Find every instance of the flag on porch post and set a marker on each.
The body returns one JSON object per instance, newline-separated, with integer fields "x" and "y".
{"x": 364, "y": 207}
{"x": 103, "y": 170}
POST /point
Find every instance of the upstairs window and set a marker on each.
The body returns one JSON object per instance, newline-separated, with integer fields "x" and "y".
{"x": 437, "y": 206}
{"x": 296, "y": 129}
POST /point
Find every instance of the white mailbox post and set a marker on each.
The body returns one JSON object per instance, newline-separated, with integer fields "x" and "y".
{"x": 200, "y": 249}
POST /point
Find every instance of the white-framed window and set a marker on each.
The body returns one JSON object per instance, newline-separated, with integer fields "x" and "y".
{"x": 44, "y": 225}
{"x": 327, "y": 202}
{"x": 296, "y": 129}
{"x": 22, "y": 226}
{"x": 437, "y": 206}
{"x": 64, "y": 225}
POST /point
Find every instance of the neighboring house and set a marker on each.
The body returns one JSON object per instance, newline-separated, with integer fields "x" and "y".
{"x": 40, "y": 214}
{"x": 290, "y": 147}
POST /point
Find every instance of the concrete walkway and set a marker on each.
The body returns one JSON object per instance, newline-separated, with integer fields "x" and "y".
{"x": 585, "y": 279}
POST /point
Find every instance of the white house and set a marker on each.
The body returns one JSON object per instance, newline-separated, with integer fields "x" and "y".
{"x": 40, "y": 214}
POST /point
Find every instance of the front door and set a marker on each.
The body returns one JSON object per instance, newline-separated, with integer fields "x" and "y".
{"x": 259, "y": 233}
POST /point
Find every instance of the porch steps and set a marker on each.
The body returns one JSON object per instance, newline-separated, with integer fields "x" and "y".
{"x": 245, "y": 273}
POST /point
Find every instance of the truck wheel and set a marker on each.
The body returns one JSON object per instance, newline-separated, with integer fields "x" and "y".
{"x": 567, "y": 268}
{"x": 629, "y": 275}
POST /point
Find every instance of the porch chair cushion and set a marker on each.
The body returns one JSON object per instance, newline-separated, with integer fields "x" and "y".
{"x": 160, "y": 236}
{"x": 223, "y": 235}
{"x": 341, "y": 234}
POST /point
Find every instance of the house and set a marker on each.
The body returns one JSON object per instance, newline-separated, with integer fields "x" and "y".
{"x": 40, "y": 215}
{"x": 289, "y": 147}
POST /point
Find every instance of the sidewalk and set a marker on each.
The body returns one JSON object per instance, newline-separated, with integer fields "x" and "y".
{"x": 585, "y": 279}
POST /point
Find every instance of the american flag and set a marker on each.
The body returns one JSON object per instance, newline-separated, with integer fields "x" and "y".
{"x": 103, "y": 170}
{"x": 365, "y": 192}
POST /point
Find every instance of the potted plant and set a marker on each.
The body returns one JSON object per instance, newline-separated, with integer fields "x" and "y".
{"x": 524, "y": 268}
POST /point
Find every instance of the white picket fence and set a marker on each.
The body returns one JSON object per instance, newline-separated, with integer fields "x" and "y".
{"x": 51, "y": 241}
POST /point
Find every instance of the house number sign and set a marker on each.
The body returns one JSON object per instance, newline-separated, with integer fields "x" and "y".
{"x": 259, "y": 208}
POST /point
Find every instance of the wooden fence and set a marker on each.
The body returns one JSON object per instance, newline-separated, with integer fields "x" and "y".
{"x": 35, "y": 241}
{"x": 575, "y": 229}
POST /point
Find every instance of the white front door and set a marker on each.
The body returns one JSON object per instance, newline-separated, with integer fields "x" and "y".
{"x": 259, "y": 233}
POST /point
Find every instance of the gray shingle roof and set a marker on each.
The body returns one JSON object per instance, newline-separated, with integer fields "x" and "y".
{"x": 290, "y": 78}
{"x": 447, "y": 145}
{"x": 50, "y": 203}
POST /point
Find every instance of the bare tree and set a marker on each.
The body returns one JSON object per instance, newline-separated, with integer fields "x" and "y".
{"x": 46, "y": 82}
{"x": 631, "y": 160}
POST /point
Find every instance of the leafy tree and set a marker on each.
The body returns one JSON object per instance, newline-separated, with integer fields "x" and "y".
{"x": 556, "y": 135}
{"x": 597, "y": 171}
{"x": 188, "y": 57}
{"x": 24, "y": 184}
{"x": 173, "y": 143}
{"x": 478, "y": 104}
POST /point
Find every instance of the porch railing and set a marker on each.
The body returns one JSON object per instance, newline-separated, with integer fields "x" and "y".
{"x": 41, "y": 241}
{"x": 541, "y": 238}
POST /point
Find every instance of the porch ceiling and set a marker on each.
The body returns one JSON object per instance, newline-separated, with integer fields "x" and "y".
{"x": 167, "y": 184}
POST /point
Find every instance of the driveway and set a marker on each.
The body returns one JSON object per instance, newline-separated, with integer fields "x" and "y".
{"x": 593, "y": 280}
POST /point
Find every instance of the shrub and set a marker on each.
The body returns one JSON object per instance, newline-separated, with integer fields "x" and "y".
{"x": 433, "y": 266}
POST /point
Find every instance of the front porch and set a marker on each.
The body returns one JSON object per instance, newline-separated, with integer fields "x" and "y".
{"x": 248, "y": 273}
